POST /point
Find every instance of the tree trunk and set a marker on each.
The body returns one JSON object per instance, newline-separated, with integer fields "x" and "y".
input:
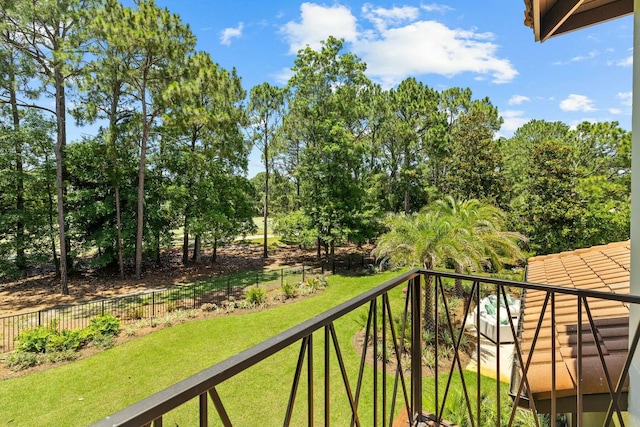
{"x": 265, "y": 213}
{"x": 214, "y": 256}
{"x": 407, "y": 163}
{"x": 116, "y": 185}
{"x": 458, "y": 290}
{"x": 185, "y": 242}
{"x": 119, "y": 234}
{"x": 21, "y": 259}
{"x": 428, "y": 309}
{"x": 52, "y": 231}
{"x": 141, "y": 176}
{"x": 196, "y": 250}
{"x": 59, "y": 152}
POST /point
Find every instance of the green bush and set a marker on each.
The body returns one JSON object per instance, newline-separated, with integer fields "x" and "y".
{"x": 289, "y": 291}
{"x": 316, "y": 283}
{"x": 107, "y": 325}
{"x": 34, "y": 340}
{"x": 256, "y": 296}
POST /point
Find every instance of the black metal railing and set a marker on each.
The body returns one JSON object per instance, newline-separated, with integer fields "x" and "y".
{"x": 398, "y": 352}
{"x": 150, "y": 304}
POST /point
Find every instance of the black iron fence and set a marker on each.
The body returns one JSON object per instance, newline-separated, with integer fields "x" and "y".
{"x": 397, "y": 355}
{"x": 151, "y": 304}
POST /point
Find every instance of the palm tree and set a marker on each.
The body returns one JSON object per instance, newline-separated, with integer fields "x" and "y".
{"x": 468, "y": 234}
{"x": 422, "y": 239}
{"x": 479, "y": 228}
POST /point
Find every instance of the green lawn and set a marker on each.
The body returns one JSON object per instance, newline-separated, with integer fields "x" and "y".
{"x": 85, "y": 391}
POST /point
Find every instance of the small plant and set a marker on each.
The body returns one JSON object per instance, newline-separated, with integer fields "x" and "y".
{"x": 134, "y": 313}
{"x": 104, "y": 325}
{"x": 103, "y": 341}
{"x": 207, "y": 306}
{"x": 130, "y": 331}
{"x": 256, "y": 296}
{"x": 19, "y": 360}
{"x": 429, "y": 357}
{"x": 289, "y": 291}
{"x": 319, "y": 282}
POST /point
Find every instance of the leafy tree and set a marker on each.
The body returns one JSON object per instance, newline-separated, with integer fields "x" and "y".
{"x": 550, "y": 209}
{"x": 413, "y": 108}
{"x": 475, "y": 162}
{"x": 517, "y": 152}
{"x": 265, "y": 109}
{"x": 160, "y": 42}
{"x": 326, "y": 114}
{"x": 49, "y": 34}
{"x": 205, "y": 116}
{"x": 105, "y": 95}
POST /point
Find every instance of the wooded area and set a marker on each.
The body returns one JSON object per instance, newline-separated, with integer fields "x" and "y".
{"x": 340, "y": 152}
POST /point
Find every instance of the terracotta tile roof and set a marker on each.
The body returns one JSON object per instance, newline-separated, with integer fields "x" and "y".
{"x": 603, "y": 268}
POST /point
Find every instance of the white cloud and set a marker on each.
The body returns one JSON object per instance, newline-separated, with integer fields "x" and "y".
{"x": 615, "y": 111}
{"x": 590, "y": 55}
{"x": 425, "y": 47}
{"x": 433, "y": 7}
{"x": 625, "y": 97}
{"x": 400, "y": 45}
{"x": 283, "y": 76}
{"x": 230, "y": 33}
{"x": 512, "y": 120}
{"x": 317, "y": 24}
{"x": 518, "y": 99}
{"x": 383, "y": 18}
{"x": 627, "y": 62}
{"x": 577, "y": 103}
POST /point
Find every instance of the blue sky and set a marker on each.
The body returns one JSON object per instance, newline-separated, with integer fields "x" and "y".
{"x": 585, "y": 75}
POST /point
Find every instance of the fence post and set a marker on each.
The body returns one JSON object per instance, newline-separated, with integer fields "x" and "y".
{"x": 102, "y": 308}
{"x": 281, "y": 277}
{"x": 153, "y": 305}
{"x": 322, "y": 267}
{"x": 416, "y": 348}
{"x": 39, "y": 318}
{"x": 194, "y": 297}
{"x": 302, "y": 272}
{"x": 228, "y": 287}
{"x": 257, "y": 278}
{"x": 362, "y": 258}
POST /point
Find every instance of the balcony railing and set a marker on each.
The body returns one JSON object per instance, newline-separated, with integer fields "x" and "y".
{"x": 395, "y": 379}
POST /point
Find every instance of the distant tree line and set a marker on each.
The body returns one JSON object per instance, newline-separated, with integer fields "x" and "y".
{"x": 176, "y": 130}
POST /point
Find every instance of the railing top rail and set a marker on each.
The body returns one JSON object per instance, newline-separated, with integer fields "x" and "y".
{"x": 158, "y": 404}
{"x": 632, "y": 299}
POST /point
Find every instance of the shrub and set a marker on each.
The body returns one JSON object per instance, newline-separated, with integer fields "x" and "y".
{"x": 289, "y": 291}
{"x": 34, "y": 340}
{"x": 107, "y": 325}
{"x": 319, "y": 282}
{"x": 256, "y": 296}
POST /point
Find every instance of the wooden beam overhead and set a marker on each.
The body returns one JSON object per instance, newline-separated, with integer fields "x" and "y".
{"x": 607, "y": 12}
{"x": 556, "y": 16}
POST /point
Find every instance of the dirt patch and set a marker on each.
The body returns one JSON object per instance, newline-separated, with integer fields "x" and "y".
{"x": 131, "y": 332}
{"x": 42, "y": 291}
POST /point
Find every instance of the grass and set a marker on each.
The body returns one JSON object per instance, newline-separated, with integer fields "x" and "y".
{"x": 88, "y": 390}
{"x": 85, "y": 391}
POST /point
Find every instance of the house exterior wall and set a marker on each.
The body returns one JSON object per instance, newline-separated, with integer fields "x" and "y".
{"x": 634, "y": 315}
